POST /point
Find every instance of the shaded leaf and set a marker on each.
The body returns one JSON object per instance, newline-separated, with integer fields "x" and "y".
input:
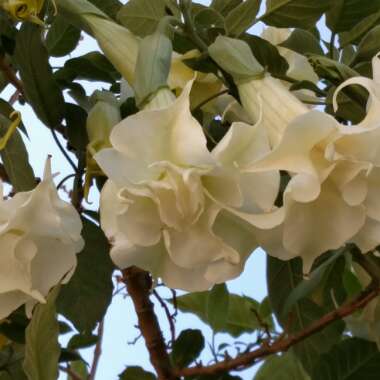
{"x": 294, "y": 13}
{"x": 42, "y": 349}
{"x": 62, "y": 37}
{"x": 303, "y": 42}
{"x": 284, "y": 367}
{"x": 141, "y": 17}
{"x": 91, "y": 286}
{"x": 352, "y": 359}
{"x": 136, "y": 373}
{"x": 187, "y": 347}
{"x": 242, "y": 17}
{"x": 15, "y": 159}
{"x": 345, "y": 14}
{"x": 218, "y": 303}
{"x": 41, "y": 90}
{"x": 224, "y": 7}
{"x": 241, "y": 316}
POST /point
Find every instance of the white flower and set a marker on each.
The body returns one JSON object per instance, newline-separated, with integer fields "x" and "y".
{"x": 162, "y": 206}
{"x": 39, "y": 239}
{"x": 322, "y": 203}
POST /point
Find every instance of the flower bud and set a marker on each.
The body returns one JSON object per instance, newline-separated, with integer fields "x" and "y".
{"x": 118, "y": 44}
{"x": 101, "y": 119}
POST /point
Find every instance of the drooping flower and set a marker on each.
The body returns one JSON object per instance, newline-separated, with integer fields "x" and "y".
{"x": 40, "y": 237}
{"x": 166, "y": 206}
{"x": 261, "y": 95}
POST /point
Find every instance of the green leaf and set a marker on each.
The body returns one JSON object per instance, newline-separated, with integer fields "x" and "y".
{"x": 369, "y": 46}
{"x": 41, "y": 90}
{"x": 303, "y": 42}
{"x": 308, "y": 286}
{"x": 80, "y": 368}
{"x": 187, "y": 347}
{"x": 345, "y": 14}
{"x": 42, "y": 348}
{"x": 91, "y": 286}
{"x": 15, "y": 159}
{"x": 136, "y": 373}
{"x": 153, "y": 65}
{"x": 235, "y": 57}
{"x": 76, "y": 118}
{"x": 80, "y": 341}
{"x": 282, "y": 279}
{"x": 224, "y": 7}
{"x": 92, "y": 66}
{"x": 352, "y": 359}
{"x": 141, "y": 17}
{"x": 109, "y": 7}
{"x": 218, "y": 303}
{"x": 242, "y": 17}
{"x": 354, "y": 35}
{"x": 241, "y": 317}
{"x": 284, "y": 367}
{"x": 294, "y": 13}
{"x": 62, "y": 37}
{"x": 267, "y": 54}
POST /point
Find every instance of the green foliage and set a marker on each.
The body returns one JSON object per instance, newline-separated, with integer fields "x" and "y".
{"x": 283, "y": 367}
{"x": 294, "y": 13}
{"x": 352, "y": 359}
{"x": 187, "y": 347}
{"x": 136, "y": 373}
{"x": 91, "y": 286}
{"x": 218, "y": 303}
{"x": 42, "y": 348}
{"x": 241, "y": 312}
{"x": 62, "y": 38}
{"x": 40, "y": 87}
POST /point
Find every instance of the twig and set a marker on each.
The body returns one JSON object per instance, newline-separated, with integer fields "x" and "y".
{"x": 78, "y": 191}
{"x": 64, "y": 180}
{"x": 139, "y": 285}
{"x": 63, "y": 150}
{"x": 283, "y": 344}
{"x": 169, "y": 316}
{"x": 200, "y": 105}
{"x": 97, "y": 352}
{"x": 10, "y": 74}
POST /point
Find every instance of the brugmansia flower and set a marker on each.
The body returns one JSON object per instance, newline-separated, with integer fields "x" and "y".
{"x": 334, "y": 175}
{"x": 260, "y": 93}
{"x": 166, "y": 206}
{"x": 39, "y": 239}
{"x": 24, "y": 10}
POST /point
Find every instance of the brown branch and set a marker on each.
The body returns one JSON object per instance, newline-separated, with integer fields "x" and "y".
{"x": 10, "y": 75}
{"x": 283, "y": 344}
{"x": 139, "y": 285}
{"x": 97, "y": 352}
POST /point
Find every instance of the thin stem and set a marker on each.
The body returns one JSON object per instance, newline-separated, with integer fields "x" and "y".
{"x": 332, "y": 45}
{"x": 169, "y": 316}
{"x": 64, "y": 180}
{"x": 63, "y": 150}
{"x": 185, "y": 7}
{"x": 283, "y": 344}
{"x": 78, "y": 192}
{"x": 97, "y": 352}
{"x": 202, "y": 104}
{"x": 10, "y": 74}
